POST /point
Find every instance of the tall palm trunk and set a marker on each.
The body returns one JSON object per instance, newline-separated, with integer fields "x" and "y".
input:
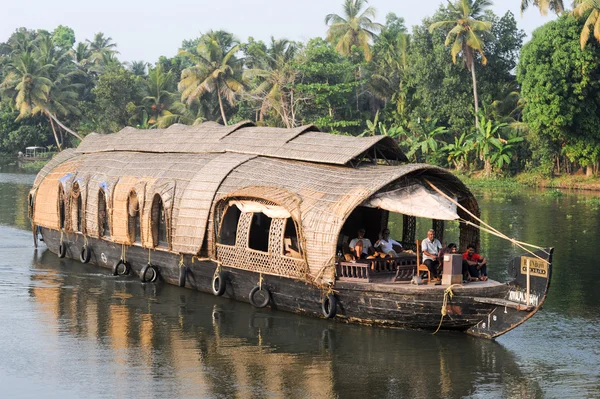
{"x": 475, "y": 98}
{"x": 221, "y": 105}
{"x": 54, "y": 131}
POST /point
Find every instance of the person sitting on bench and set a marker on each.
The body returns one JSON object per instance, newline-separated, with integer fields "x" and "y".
{"x": 431, "y": 248}
{"x": 386, "y": 245}
{"x": 361, "y": 247}
{"x": 476, "y": 264}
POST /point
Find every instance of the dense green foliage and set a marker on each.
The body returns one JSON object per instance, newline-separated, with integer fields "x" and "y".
{"x": 560, "y": 86}
{"x": 446, "y": 89}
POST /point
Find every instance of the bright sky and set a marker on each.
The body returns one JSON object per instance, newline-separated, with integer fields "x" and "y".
{"x": 145, "y": 30}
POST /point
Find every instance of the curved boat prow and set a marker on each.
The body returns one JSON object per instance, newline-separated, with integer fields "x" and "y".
{"x": 526, "y": 294}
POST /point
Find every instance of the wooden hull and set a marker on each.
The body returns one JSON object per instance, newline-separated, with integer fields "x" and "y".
{"x": 395, "y": 305}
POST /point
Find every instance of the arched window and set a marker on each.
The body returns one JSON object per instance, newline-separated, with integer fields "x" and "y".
{"x": 229, "y": 226}
{"x": 79, "y": 213}
{"x": 77, "y": 207}
{"x": 103, "y": 226}
{"x": 133, "y": 218}
{"x": 61, "y": 207}
{"x": 159, "y": 223}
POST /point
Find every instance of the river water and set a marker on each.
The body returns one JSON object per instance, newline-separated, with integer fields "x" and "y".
{"x": 70, "y": 330}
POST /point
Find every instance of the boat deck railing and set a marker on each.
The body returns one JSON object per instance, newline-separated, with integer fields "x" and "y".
{"x": 401, "y": 268}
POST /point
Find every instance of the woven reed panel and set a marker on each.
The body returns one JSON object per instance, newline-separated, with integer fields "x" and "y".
{"x": 45, "y": 210}
{"x": 304, "y": 143}
{"x": 53, "y": 163}
{"x": 260, "y": 262}
{"x": 120, "y": 210}
{"x": 97, "y": 183}
{"x": 193, "y": 207}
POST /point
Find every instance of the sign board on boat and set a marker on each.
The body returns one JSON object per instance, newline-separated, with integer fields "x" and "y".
{"x": 537, "y": 267}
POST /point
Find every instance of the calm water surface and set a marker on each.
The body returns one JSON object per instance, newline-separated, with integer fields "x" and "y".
{"x": 70, "y": 330}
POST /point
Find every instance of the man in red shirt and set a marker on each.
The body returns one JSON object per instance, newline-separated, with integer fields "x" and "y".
{"x": 475, "y": 263}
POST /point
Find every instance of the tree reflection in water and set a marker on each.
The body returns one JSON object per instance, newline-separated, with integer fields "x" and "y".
{"x": 145, "y": 339}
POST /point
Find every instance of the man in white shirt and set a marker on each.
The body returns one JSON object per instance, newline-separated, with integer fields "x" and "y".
{"x": 431, "y": 248}
{"x": 386, "y": 245}
{"x": 361, "y": 246}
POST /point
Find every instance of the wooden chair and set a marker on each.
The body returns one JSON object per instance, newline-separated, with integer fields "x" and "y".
{"x": 420, "y": 266}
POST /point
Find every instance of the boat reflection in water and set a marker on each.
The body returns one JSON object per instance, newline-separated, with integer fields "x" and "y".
{"x": 149, "y": 340}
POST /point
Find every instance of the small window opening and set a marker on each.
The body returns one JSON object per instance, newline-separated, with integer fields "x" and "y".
{"x": 103, "y": 225}
{"x": 259, "y": 232}
{"x": 159, "y": 222}
{"x": 133, "y": 219}
{"x": 229, "y": 226}
{"x": 79, "y": 212}
{"x": 291, "y": 246}
{"x": 61, "y": 207}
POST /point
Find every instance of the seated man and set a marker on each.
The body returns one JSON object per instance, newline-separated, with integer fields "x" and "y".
{"x": 475, "y": 264}
{"x": 431, "y": 248}
{"x": 361, "y": 246}
{"x": 386, "y": 245}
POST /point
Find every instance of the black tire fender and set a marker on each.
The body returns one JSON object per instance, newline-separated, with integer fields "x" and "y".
{"x": 85, "y": 254}
{"x": 144, "y": 272}
{"x": 266, "y": 300}
{"x": 183, "y": 270}
{"x": 219, "y": 283}
{"x": 62, "y": 250}
{"x": 117, "y": 268}
{"x": 329, "y": 306}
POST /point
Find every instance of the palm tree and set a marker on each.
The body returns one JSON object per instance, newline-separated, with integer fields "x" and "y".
{"x": 38, "y": 87}
{"x": 592, "y": 23}
{"x": 464, "y": 36}
{"x": 273, "y": 78}
{"x": 138, "y": 68}
{"x": 100, "y": 48}
{"x": 160, "y": 96}
{"x": 356, "y": 29}
{"x": 544, "y": 5}
{"x": 216, "y": 69}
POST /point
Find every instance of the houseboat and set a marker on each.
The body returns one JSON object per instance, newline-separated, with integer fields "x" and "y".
{"x": 264, "y": 215}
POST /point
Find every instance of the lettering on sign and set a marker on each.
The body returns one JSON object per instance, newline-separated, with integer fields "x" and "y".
{"x": 521, "y": 297}
{"x": 537, "y": 267}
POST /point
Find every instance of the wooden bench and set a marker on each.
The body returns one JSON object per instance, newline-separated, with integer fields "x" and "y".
{"x": 402, "y": 268}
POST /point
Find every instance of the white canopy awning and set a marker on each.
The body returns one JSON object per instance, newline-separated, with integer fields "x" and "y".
{"x": 272, "y": 211}
{"x": 414, "y": 200}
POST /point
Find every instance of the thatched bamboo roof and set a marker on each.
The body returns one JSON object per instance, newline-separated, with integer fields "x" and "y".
{"x": 305, "y": 143}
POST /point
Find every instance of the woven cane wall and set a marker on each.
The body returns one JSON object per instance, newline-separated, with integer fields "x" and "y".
{"x": 328, "y": 196}
{"x": 274, "y": 262}
{"x": 120, "y": 212}
{"x": 46, "y": 212}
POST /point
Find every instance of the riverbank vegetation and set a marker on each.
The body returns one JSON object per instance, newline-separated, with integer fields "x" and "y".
{"x": 460, "y": 90}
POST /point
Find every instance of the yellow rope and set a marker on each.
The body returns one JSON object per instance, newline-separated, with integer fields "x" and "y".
{"x": 149, "y": 256}
{"x": 447, "y": 293}
{"x": 260, "y": 281}
{"x": 493, "y": 230}
{"x": 61, "y": 237}
{"x": 181, "y": 263}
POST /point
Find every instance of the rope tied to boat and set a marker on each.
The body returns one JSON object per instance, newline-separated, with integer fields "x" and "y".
{"x": 447, "y": 293}
{"x": 490, "y": 229}
{"x": 149, "y": 255}
{"x": 181, "y": 263}
{"x": 124, "y": 253}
